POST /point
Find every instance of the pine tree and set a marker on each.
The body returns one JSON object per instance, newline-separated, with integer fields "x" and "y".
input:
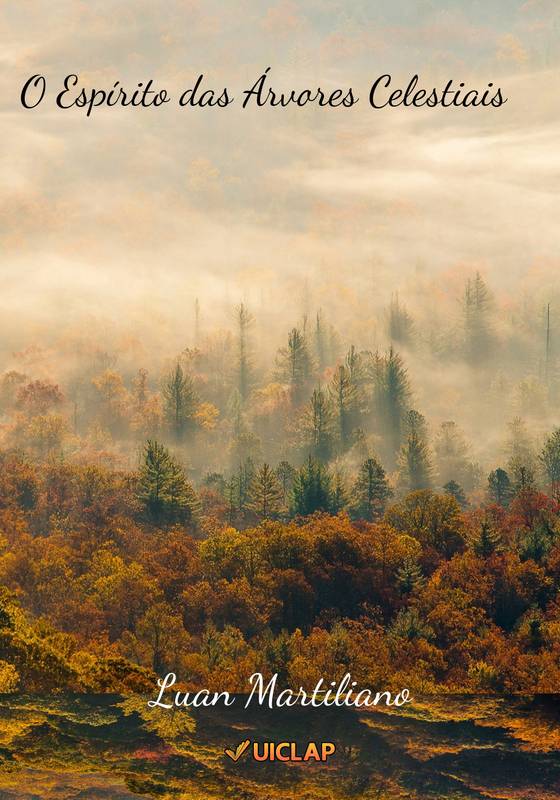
{"x": 488, "y": 541}
{"x": 343, "y": 397}
{"x": 499, "y": 487}
{"x": 409, "y": 576}
{"x": 339, "y": 492}
{"x": 320, "y": 343}
{"x": 399, "y": 323}
{"x": 318, "y": 425}
{"x": 180, "y": 403}
{"x": 391, "y": 399}
{"x": 550, "y": 460}
{"x": 456, "y": 490}
{"x": 294, "y": 364}
{"x": 415, "y": 462}
{"x": 244, "y": 321}
{"x": 371, "y": 491}
{"x": 265, "y": 494}
{"x": 312, "y": 489}
{"x": 163, "y": 488}
{"x": 452, "y": 456}
{"x": 476, "y": 315}
{"x": 285, "y": 474}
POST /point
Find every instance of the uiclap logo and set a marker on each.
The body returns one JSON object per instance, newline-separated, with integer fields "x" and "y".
{"x": 282, "y": 751}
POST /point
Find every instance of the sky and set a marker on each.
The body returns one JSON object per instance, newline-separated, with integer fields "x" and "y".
{"x": 137, "y": 209}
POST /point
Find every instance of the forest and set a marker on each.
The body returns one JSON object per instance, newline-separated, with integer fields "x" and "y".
{"x": 305, "y": 506}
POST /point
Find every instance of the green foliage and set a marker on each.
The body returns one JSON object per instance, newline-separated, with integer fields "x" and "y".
{"x": 371, "y": 491}
{"x": 414, "y": 459}
{"x": 265, "y": 493}
{"x": 294, "y": 365}
{"x": 499, "y": 487}
{"x": 163, "y": 489}
{"x": 312, "y": 489}
{"x": 180, "y": 402}
{"x": 488, "y": 541}
{"x": 550, "y": 460}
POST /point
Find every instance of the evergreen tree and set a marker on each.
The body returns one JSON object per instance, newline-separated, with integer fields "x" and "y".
{"x": 180, "y": 402}
{"x": 163, "y": 488}
{"x": 285, "y": 474}
{"x": 320, "y": 343}
{"x": 339, "y": 492}
{"x": 415, "y": 462}
{"x": 343, "y": 397}
{"x": 370, "y": 492}
{"x": 409, "y": 576}
{"x": 499, "y": 487}
{"x": 391, "y": 399}
{"x": 488, "y": 541}
{"x": 265, "y": 494}
{"x": 244, "y": 320}
{"x": 550, "y": 460}
{"x": 312, "y": 489}
{"x": 452, "y": 456}
{"x": 476, "y": 314}
{"x": 294, "y": 364}
{"x": 399, "y": 323}
{"x": 318, "y": 425}
{"x": 456, "y": 490}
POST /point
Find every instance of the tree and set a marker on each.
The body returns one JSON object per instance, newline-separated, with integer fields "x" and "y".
{"x": 312, "y": 489}
{"x": 320, "y": 343}
{"x": 415, "y": 462}
{"x": 499, "y": 487}
{"x": 455, "y": 490}
{"x": 434, "y": 520}
{"x": 294, "y": 365}
{"x": 452, "y": 456}
{"x": 371, "y": 491}
{"x": 550, "y": 459}
{"x": 343, "y": 396}
{"x": 163, "y": 488}
{"x": 488, "y": 541}
{"x": 265, "y": 493}
{"x": 285, "y": 474}
{"x": 391, "y": 397}
{"x": 409, "y": 576}
{"x": 339, "y": 492}
{"x": 399, "y": 323}
{"x": 477, "y": 304}
{"x": 180, "y": 402}
{"x": 318, "y": 423}
{"x": 244, "y": 320}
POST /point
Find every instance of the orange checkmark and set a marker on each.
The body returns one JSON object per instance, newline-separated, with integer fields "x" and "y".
{"x": 239, "y": 750}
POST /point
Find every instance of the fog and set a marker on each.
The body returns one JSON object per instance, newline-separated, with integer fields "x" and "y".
{"x": 113, "y": 226}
